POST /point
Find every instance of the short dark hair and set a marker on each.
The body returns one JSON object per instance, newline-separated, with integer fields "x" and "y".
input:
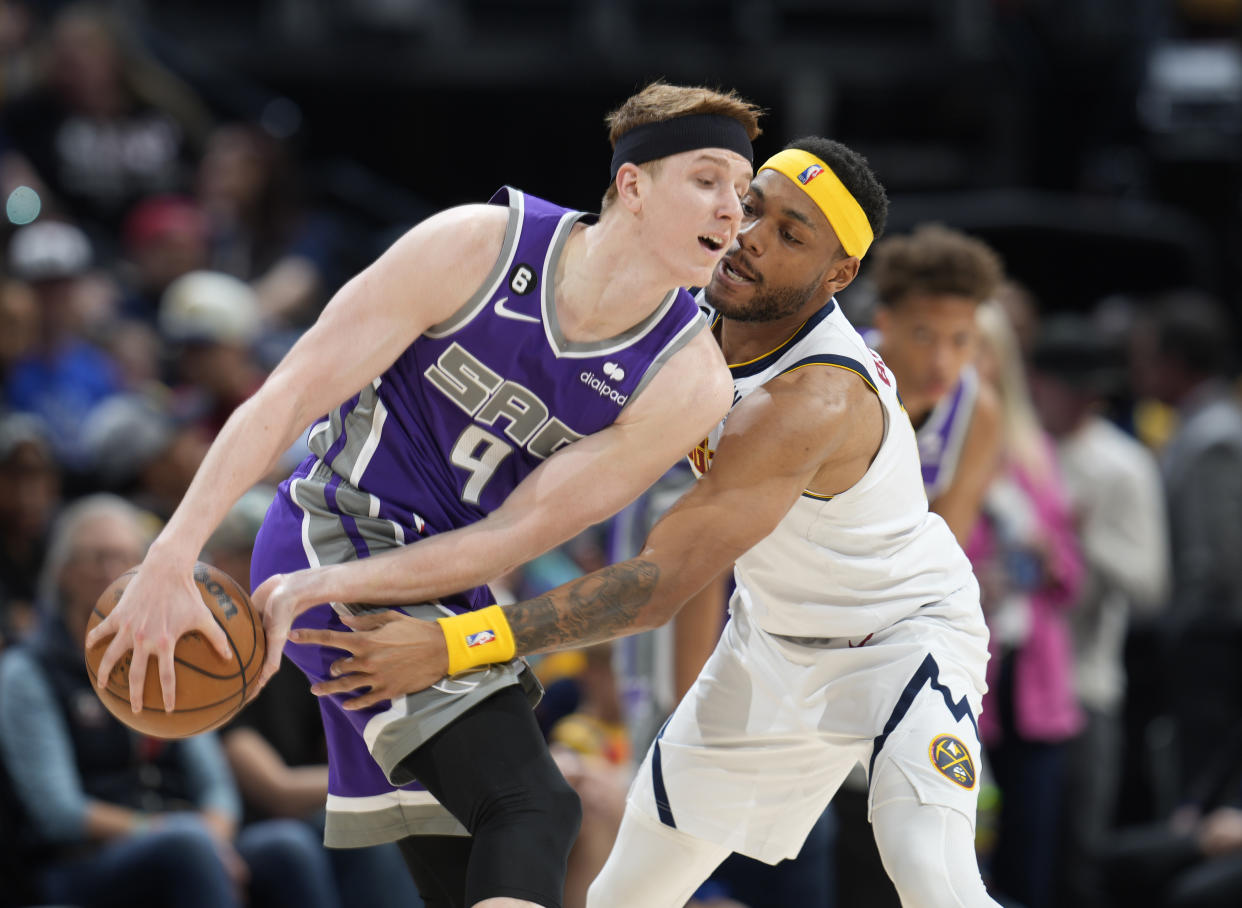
{"x": 935, "y": 260}
{"x": 1194, "y": 330}
{"x": 854, "y": 173}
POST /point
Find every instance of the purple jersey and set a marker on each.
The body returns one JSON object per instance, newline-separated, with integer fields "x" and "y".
{"x": 479, "y": 401}
{"x": 435, "y": 443}
{"x": 942, "y": 434}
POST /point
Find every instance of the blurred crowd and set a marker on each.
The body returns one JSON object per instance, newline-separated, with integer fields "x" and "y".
{"x": 157, "y": 259}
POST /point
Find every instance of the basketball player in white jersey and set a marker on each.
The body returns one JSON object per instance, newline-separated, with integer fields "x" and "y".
{"x": 929, "y": 285}
{"x": 856, "y": 633}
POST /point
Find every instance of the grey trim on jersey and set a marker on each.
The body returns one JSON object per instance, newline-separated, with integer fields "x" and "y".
{"x": 474, "y": 305}
{"x": 362, "y": 428}
{"x": 378, "y": 827}
{"x": 562, "y": 346}
{"x": 324, "y": 538}
{"x": 680, "y": 339}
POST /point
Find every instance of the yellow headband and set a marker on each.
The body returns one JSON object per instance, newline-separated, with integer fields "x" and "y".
{"x": 826, "y": 190}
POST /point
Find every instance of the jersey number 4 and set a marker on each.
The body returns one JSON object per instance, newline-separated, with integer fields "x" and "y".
{"x": 489, "y": 399}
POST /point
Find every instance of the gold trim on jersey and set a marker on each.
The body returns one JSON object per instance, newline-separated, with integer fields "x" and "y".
{"x": 781, "y": 346}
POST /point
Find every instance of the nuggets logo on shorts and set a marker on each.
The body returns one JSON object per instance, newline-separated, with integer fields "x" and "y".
{"x": 809, "y": 174}
{"x": 480, "y": 637}
{"x": 952, "y": 759}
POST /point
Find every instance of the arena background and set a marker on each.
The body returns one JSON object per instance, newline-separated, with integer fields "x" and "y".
{"x": 1097, "y": 143}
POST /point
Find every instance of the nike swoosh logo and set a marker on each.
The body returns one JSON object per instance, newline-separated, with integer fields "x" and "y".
{"x": 509, "y": 313}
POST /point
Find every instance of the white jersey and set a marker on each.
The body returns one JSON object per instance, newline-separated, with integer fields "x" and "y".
{"x": 852, "y": 564}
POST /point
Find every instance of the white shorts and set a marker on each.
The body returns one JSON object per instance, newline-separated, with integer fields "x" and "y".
{"x": 763, "y": 740}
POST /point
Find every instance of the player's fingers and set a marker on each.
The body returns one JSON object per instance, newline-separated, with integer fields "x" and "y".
{"x": 216, "y": 636}
{"x": 271, "y": 664}
{"x": 342, "y": 685}
{"x": 333, "y": 639}
{"x": 343, "y": 667}
{"x": 104, "y": 628}
{"x": 138, "y": 674}
{"x": 363, "y": 701}
{"x": 106, "y": 663}
{"x": 369, "y": 621}
{"x": 168, "y": 677}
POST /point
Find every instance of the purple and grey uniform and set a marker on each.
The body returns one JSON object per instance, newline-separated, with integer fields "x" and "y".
{"x": 944, "y": 431}
{"x": 435, "y": 443}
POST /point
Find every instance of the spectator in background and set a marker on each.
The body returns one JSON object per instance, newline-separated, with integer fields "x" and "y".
{"x": 259, "y": 231}
{"x": 19, "y": 324}
{"x": 929, "y": 284}
{"x": 1194, "y": 858}
{"x": 277, "y": 751}
{"x": 1025, "y": 554}
{"x": 29, "y": 497}
{"x": 213, "y": 320}
{"x": 1117, "y": 501}
{"x": 63, "y": 377}
{"x": 1202, "y": 468}
{"x": 108, "y": 126}
{"x": 112, "y": 818}
{"x": 165, "y": 237}
{"x": 136, "y": 350}
{"x": 17, "y": 65}
{"x": 137, "y": 449}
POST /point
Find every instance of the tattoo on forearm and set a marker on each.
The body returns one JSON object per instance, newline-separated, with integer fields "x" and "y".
{"x": 592, "y": 609}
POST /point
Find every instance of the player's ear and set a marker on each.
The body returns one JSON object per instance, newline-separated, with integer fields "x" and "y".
{"x": 629, "y": 186}
{"x": 841, "y": 273}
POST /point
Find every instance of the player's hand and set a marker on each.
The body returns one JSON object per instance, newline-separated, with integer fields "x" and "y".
{"x": 279, "y": 599}
{"x": 160, "y": 605}
{"x": 390, "y": 653}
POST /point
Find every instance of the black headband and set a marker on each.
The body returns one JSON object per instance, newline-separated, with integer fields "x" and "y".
{"x": 659, "y": 140}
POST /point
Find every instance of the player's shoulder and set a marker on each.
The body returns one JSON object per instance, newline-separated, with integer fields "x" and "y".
{"x": 822, "y": 384}
{"x": 476, "y": 221}
{"x": 458, "y": 242}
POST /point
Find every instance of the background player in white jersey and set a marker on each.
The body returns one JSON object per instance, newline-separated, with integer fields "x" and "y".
{"x": 481, "y": 425}
{"x": 929, "y": 284}
{"x": 856, "y": 634}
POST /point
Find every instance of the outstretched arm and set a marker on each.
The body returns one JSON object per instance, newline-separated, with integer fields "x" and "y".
{"x": 817, "y": 428}
{"x": 580, "y": 485}
{"x": 359, "y": 334}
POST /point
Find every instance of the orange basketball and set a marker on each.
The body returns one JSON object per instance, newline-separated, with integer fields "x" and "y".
{"x": 210, "y": 690}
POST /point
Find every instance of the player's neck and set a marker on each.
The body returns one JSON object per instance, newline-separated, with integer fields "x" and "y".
{"x": 603, "y": 286}
{"x": 744, "y": 341}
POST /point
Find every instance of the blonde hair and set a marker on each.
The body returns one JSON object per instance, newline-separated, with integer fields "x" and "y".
{"x": 1024, "y": 441}
{"x": 660, "y": 101}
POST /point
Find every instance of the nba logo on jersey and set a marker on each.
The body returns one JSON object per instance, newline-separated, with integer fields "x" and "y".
{"x": 952, "y": 759}
{"x": 809, "y": 174}
{"x": 480, "y": 637}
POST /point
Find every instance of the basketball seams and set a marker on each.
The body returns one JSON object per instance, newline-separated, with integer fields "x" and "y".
{"x": 215, "y": 723}
{"x": 242, "y": 678}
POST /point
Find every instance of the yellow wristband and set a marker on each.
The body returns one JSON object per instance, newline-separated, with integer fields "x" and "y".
{"x": 477, "y": 638}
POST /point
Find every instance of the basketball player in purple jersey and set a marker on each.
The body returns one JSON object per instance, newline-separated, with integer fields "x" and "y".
{"x": 929, "y": 284}
{"x": 537, "y": 369}
{"x": 855, "y": 632}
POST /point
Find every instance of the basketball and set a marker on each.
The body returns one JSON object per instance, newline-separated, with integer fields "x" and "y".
{"x": 210, "y": 690}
